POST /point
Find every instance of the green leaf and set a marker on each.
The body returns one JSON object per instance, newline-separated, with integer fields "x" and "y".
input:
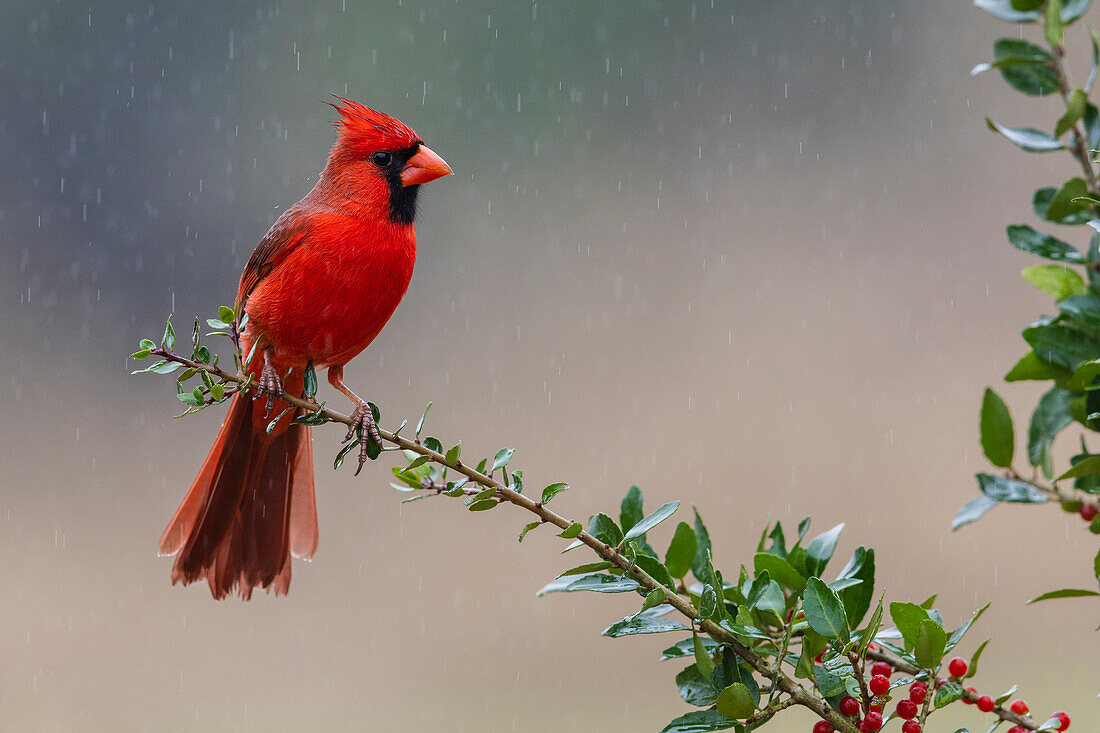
{"x": 571, "y": 531}
{"x": 143, "y": 354}
{"x": 1025, "y": 67}
{"x": 1005, "y": 10}
{"x": 704, "y": 664}
{"x": 169, "y": 339}
{"x": 587, "y": 568}
{"x": 1055, "y": 280}
{"x": 603, "y": 528}
{"x": 309, "y": 379}
{"x": 821, "y": 549}
{"x": 695, "y": 687}
{"x": 645, "y": 622}
{"x": 973, "y": 510}
{"x": 527, "y": 528}
{"x": 972, "y": 667}
{"x": 482, "y": 505}
{"x": 758, "y": 588}
{"x": 736, "y": 702}
{"x": 857, "y": 599}
{"x": 930, "y": 644}
{"x": 908, "y": 617}
{"x": 824, "y": 610}
{"x": 1076, "y": 104}
{"x": 681, "y": 551}
{"x": 423, "y": 417}
{"x": 1087, "y": 467}
{"x": 226, "y": 314}
{"x": 703, "y": 546}
{"x": 597, "y": 582}
{"x": 1051, "y": 416}
{"x": 1064, "y": 593}
{"x": 779, "y": 569}
{"x": 1027, "y": 239}
{"x": 655, "y": 569}
{"x": 813, "y": 644}
{"x": 502, "y": 457}
{"x": 553, "y": 490}
{"x": 872, "y": 628}
{"x": 1085, "y": 309}
{"x": 1027, "y": 139}
{"x": 1031, "y": 367}
{"x": 454, "y": 453}
{"x": 1061, "y": 345}
{"x": 653, "y": 599}
{"x": 1010, "y": 490}
{"x": 1003, "y": 697}
{"x": 663, "y": 512}
{"x": 1024, "y": 5}
{"x": 683, "y": 648}
{"x": 948, "y": 693}
{"x": 1079, "y": 212}
{"x": 1053, "y": 26}
{"x": 631, "y": 509}
{"x": 699, "y": 721}
{"x": 998, "y": 437}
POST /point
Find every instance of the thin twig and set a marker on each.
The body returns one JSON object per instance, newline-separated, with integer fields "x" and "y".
{"x": 799, "y": 695}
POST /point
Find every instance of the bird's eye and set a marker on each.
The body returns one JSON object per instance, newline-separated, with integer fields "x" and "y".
{"x": 381, "y": 158}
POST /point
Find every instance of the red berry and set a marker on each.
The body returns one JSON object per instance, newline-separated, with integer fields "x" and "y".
{"x": 882, "y": 668}
{"x": 820, "y": 656}
{"x": 880, "y": 684}
{"x": 940, "y": 683}
{"x": 972, "y": 691}
{"x": 1017, "y": 729}
{"x": 822, "y": 726}
{"x": 1088, "y": 511}
{"x": 986, "y": 704}
{"x": 876, "y": 707}
{"x": 918, "y": 691}
{"x": 1019, "y": 707}
{"x": 849, "y": 706}
{"x": 957, "y": 666}
{"x": 1061, "y": 715}
{"x": 907, "y": 709}
{"x": 872, "y": 722}
{"x": 911, "y": 726}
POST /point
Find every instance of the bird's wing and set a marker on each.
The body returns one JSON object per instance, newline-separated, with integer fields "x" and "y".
{"x": 287, "y": 233}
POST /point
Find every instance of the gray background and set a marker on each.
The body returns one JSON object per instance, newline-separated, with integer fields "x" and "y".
{"x": 746, "y": 255}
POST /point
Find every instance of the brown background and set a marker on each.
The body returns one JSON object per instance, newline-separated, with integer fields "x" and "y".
{"x": 746, "y": 255}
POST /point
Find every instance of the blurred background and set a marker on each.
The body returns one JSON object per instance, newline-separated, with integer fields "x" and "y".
{"x": 747, "y": 255}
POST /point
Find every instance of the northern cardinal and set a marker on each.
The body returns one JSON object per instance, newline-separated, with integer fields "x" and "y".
{"x": 319, "y": 287}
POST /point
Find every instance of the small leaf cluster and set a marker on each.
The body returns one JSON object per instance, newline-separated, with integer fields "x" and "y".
{"x": 208, "y": 390}
{"x": 780, "y": 612}
{"x": 1063, "y": 347}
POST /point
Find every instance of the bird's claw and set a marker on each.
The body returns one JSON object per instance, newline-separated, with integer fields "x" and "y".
{"x": 269, "y": 382}
{"x": 362, "y": 422}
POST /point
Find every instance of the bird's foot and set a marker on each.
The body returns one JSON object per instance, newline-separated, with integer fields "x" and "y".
{"x": 270, "y": 383}
{"x": 362, "y": 423}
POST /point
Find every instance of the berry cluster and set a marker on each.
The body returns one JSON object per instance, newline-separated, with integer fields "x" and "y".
{"x": 957, "y": 667}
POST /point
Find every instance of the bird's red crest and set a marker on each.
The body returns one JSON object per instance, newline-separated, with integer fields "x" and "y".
{"x": 361, "y": 125}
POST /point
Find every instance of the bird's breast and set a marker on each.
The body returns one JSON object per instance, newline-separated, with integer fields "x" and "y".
{"x": 333, "y": 294}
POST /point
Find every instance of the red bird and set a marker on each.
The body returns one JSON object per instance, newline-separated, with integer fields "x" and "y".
{"x": 319, "y": 287}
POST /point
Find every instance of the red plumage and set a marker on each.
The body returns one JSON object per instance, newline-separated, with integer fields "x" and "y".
{"x": 319, "y": 287}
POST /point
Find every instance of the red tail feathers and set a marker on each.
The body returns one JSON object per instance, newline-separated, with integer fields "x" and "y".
{"x": 250, "y": 508}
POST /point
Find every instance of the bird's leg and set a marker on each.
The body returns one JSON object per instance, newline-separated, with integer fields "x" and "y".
{"x": 269, "y": 382}
{"x": 361, "y": 417}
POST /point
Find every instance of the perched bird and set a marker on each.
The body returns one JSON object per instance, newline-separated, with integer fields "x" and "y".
{"x": 319, "y": 287}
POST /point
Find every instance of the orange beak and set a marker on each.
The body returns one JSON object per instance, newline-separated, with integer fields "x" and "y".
{"x": 423, "y": 167}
